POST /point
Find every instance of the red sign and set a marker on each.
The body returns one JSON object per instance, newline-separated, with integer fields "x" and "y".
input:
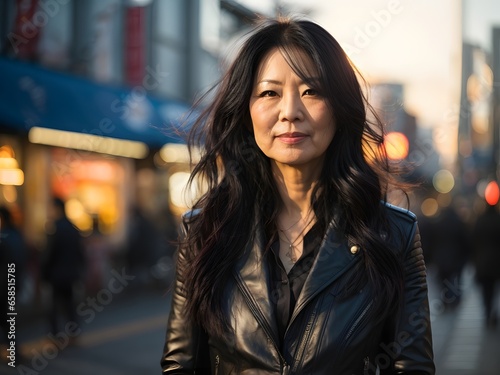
{"x": 135, "y": 51}
{"x": 23, "y": 40}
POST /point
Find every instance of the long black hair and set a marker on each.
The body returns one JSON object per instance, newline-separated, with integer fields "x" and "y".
{"x": 241, "y": 192}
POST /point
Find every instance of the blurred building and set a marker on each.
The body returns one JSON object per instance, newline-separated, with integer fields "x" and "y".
{"x": 475, "y": 127}
{"x": 406, "y": 143}
{"x": 95, "y": 103}
{"x": 496, "y": 98}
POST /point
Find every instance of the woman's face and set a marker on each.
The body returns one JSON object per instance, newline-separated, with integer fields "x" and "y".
{"x": 292, "y": 123}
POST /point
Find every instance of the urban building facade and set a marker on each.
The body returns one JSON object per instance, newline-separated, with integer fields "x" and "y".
{"x": 91, "y": 93}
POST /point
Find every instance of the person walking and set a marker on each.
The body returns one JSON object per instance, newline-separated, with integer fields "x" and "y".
{"x": 63, "y": 266}
{"x": 449, "y": 243}
{"x": 486, "y": 239}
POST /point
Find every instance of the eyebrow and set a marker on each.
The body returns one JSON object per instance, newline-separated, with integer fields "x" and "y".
{"x": 276, "y": 82}
{"x": 270, "y": 81}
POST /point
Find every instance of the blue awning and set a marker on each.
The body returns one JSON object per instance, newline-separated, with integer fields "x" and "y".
{"x": 32, "y": 96}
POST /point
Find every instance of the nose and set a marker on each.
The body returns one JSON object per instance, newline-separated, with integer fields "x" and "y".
{"x": 291, "y": 109}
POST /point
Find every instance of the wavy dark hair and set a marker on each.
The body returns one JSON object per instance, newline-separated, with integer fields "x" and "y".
{"x": 241, "y": 192}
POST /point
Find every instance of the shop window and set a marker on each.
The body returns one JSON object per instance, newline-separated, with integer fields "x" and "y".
{"x": 92, "y": 187}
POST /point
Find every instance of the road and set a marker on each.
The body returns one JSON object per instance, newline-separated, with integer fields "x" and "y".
{"x": 125, "y": 336}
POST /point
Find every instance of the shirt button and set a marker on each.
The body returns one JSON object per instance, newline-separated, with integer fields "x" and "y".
{"x": 284, "y": 282}
{"x": 354, "y": 249}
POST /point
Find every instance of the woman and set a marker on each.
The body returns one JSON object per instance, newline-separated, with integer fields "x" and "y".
{"x": 292, "y": 262}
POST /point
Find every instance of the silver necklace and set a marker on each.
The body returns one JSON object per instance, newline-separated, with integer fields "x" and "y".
{"x": 293, "y": 244}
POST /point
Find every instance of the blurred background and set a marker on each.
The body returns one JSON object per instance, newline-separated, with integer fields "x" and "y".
{"x": 94, "y": 109}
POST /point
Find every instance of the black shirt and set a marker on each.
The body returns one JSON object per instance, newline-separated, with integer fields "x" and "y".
{"x": 287, "y": 287}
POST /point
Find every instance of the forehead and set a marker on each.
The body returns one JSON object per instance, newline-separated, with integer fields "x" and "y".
{"x": 277, "y": 59}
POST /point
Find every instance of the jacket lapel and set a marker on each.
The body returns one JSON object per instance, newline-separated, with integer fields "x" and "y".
{"x": 333, "y": 259}
{"x": 253, "y": 279}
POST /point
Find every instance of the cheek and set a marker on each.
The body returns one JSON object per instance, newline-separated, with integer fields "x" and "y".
{"x": 330, "y": 132}
{"x": 260, "y": 118}
{"x": 326, "y": 125}
{"x": 330, "y": 127}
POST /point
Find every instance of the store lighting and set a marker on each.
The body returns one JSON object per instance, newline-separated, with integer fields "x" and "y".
{"x": 178, "y": 153}
{"x": 11, "y": 177}
{"x": 10, "y": 173}
{"x": 180, "y": 196}
{"x": 88, "y": 142}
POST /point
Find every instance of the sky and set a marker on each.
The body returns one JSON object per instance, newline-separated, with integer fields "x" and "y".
{"x": 416, "y": 43}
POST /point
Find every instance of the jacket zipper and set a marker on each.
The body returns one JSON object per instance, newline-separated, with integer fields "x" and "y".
{"x": 217, "y": 361}
{"x": 260, "y": 317}
{"x": 357, "y": 321}
{"x": 306, "y": 336}
{"x": 346, "y": 335}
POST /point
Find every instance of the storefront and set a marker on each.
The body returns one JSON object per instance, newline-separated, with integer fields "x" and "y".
{"x": 92, "y": 145}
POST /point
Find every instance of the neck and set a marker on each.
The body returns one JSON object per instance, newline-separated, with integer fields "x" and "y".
{"x": 295, "y": 186}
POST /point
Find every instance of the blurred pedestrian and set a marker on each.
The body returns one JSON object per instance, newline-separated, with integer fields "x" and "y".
{"x": 486, "y": 236}
{"x": 450, "y": 248}
{"x": 97, "y": 251}
{"x": 63, "y": 266}
{"x": 13, "y": 257}
{"x": 142, "y": 243}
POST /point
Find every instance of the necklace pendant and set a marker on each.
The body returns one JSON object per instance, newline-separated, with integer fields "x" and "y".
{"x": 290, "y": 256}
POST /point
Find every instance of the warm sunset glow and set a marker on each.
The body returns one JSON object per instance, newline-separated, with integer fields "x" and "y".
{"x": 396, "y": 145}
{"x": 370, "y": 150}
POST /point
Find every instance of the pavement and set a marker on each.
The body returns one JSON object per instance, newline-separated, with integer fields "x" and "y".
{"x": 463, "y": 345}
{"x": 120, "y": 336}
{"x": 124, "y": 335}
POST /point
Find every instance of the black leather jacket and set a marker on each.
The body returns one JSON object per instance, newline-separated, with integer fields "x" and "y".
{"x": 325, "y": 335}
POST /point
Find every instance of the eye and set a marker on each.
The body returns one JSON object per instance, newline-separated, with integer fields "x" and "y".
{"x": 267, "y": 93}
{"x": 311, "y": 92}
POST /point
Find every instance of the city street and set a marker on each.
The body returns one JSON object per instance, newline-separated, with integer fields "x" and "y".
{"x": 462, "y": 343}
{"x": 125, "y": 337}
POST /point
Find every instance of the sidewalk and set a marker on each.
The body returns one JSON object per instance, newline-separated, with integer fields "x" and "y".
{"x": 124, "y": 337}
{"x": 134, "y": 323}
{"x": 462, "y": 343}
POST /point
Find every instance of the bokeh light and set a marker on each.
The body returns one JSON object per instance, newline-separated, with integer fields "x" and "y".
{"x": 481, "y": 187}
{"x": 443, "y": 181}
{"x": 396, "y": 145}
{"x": 492, "y": 193}
{"x": 429, "y": 207}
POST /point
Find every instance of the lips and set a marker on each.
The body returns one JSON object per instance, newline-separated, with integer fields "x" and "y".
{"x": 292, "y": 138}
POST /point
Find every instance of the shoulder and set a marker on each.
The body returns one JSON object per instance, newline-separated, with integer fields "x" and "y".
{"x": 402, "y": 223}
{"x": 187, "y": 217}
{"x": 399, "y": 215}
